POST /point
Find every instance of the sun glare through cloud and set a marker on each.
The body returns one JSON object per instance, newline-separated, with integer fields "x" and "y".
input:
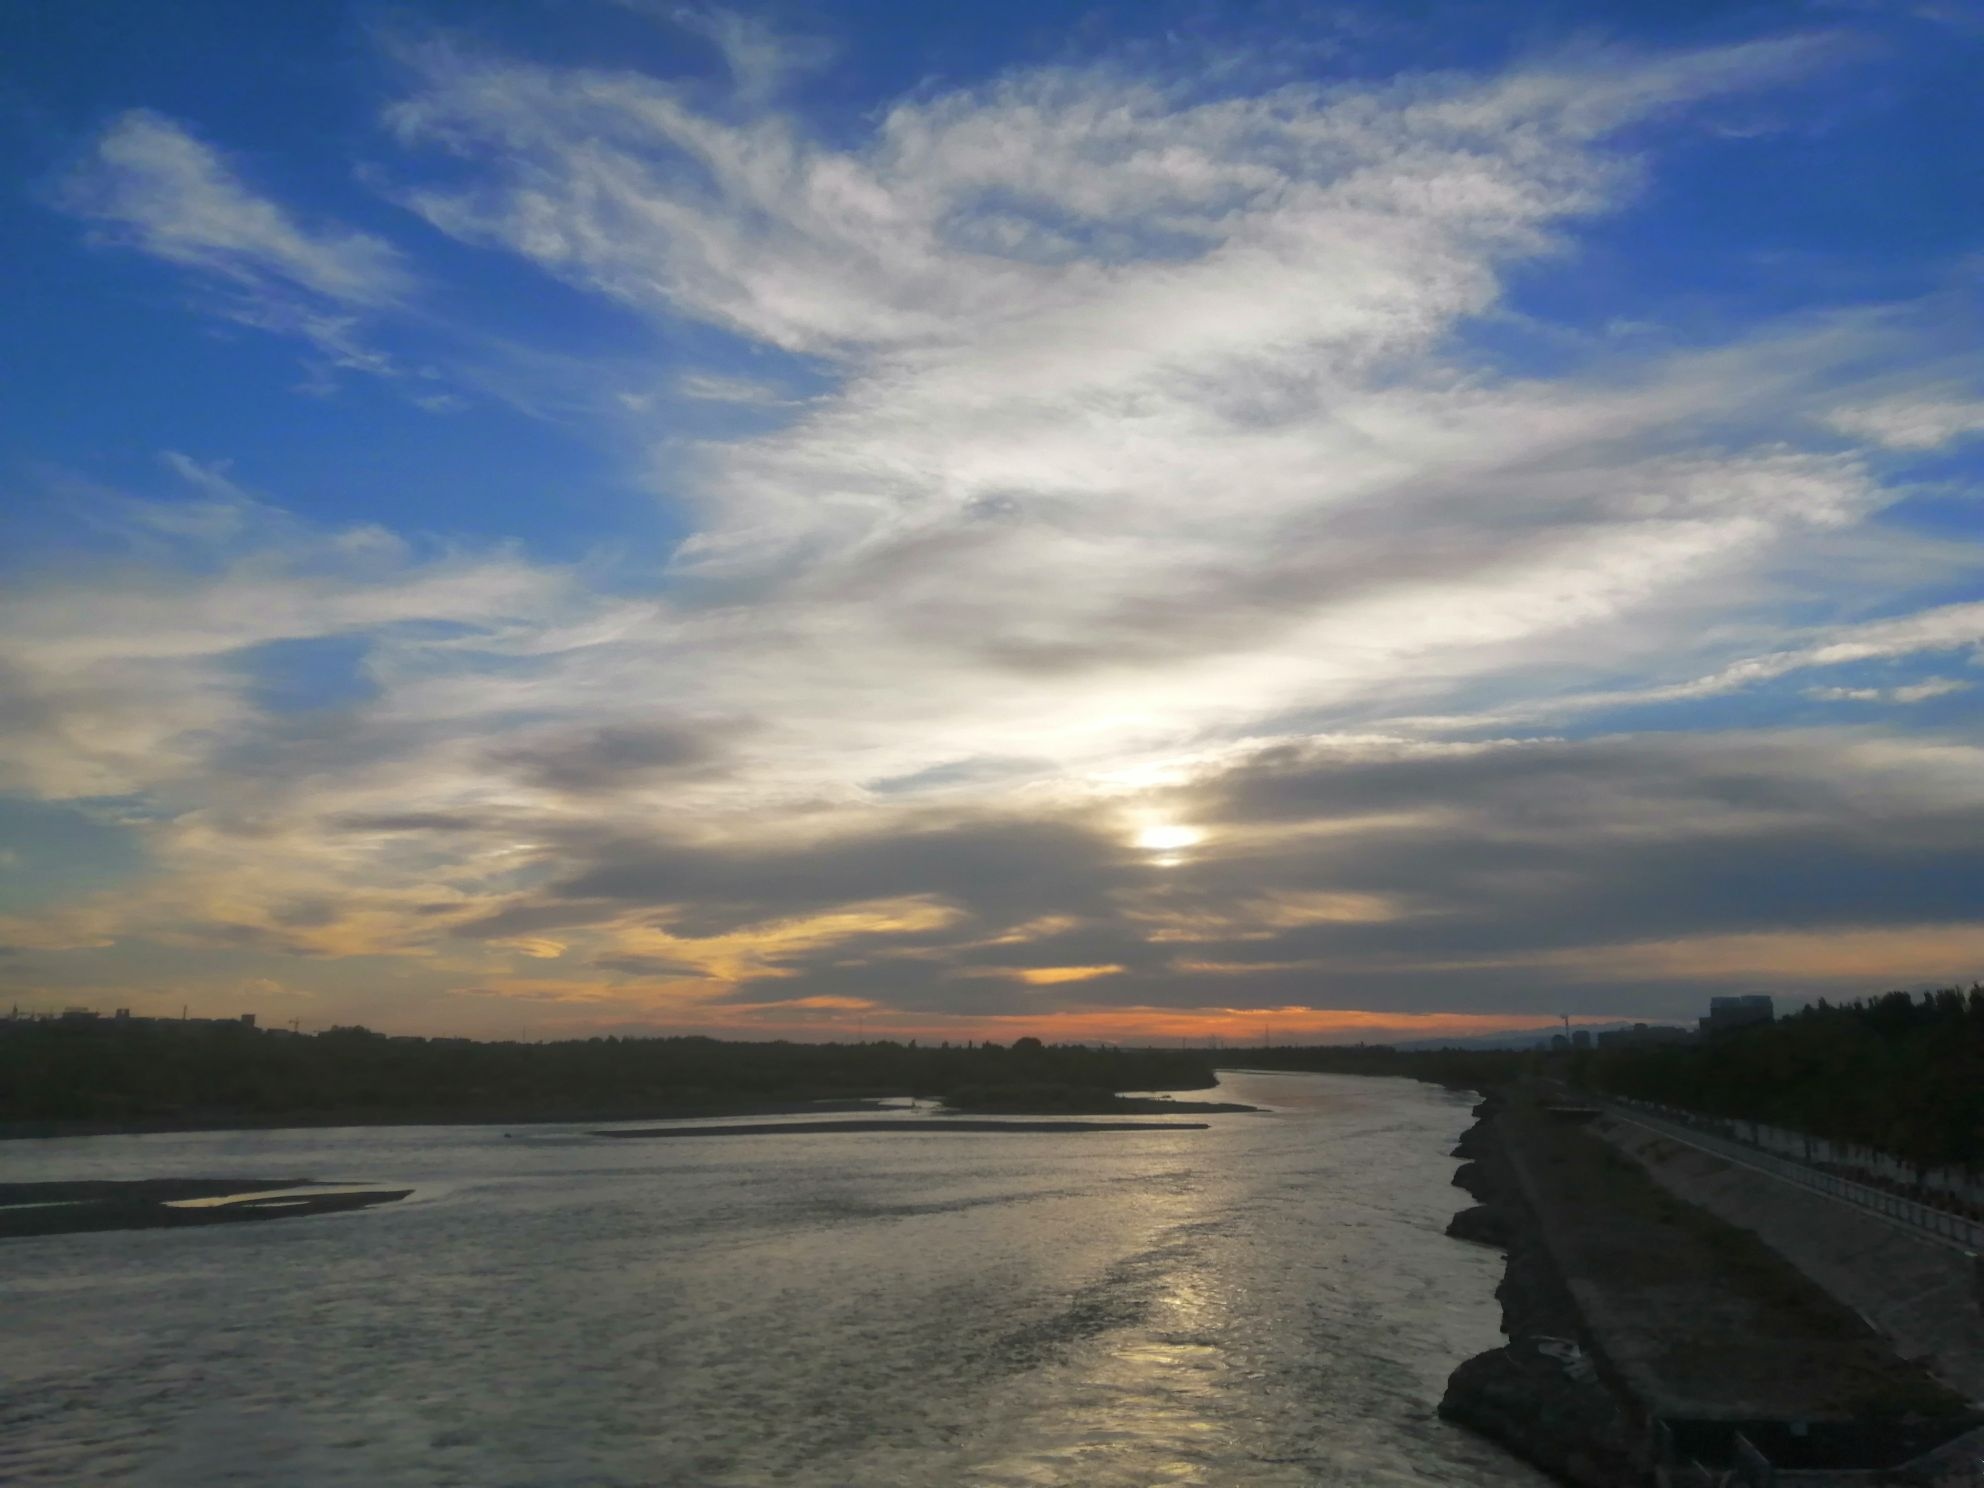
{"x": 1168, "y": 839}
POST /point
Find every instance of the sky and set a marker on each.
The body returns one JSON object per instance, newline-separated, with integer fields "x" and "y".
{"x": 1143, "y": 522}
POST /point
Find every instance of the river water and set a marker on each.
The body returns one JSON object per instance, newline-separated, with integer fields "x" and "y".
{"x": 1268, "y": 1302}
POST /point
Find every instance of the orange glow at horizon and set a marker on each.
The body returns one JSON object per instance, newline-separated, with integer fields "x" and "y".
{"x": 1203, "y": 1026}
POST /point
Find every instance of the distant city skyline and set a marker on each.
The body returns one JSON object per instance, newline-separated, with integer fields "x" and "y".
{"x": 1392, "y": 521}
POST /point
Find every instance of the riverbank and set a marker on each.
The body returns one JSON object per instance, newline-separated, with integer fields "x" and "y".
{"x": 940, "y": 1124}
{"x": 1539, "y": 1395}
{"x": 1642, "y": 1329}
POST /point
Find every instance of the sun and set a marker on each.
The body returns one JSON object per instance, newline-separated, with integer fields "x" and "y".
{"x": 1168, "y": 838}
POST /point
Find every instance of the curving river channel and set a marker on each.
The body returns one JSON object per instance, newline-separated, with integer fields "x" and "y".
{"x": 1267, "y": 1302}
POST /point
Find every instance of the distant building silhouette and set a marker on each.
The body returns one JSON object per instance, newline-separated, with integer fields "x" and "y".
{"x": 1725, "y": 1013}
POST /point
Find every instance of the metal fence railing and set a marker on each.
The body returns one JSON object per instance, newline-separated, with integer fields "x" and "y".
{"x": 1953, "y": 1229}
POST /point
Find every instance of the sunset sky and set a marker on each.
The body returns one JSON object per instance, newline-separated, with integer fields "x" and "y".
{"x": 968, "y": 520}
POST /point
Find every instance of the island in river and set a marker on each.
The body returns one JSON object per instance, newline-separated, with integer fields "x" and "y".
{"x": 83, "y": 1206}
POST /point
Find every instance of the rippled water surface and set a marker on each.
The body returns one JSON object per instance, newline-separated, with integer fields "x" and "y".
{"x": 1267, "y": 1302}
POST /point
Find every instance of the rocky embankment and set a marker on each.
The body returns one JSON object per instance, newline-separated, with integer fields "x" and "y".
{"x": 1626, "y": 1305}
{"x": 1540, "y": 1395}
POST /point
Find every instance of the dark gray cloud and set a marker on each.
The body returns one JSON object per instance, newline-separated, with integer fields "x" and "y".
{"x": 999, "y": 869}
{"x": 614, "y": 758}
{"x": 648, "y": 966}
{"x": 414, "y": 821}
{"x": 1464, "y": 879}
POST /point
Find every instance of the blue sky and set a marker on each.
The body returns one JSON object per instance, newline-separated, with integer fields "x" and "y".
{"x": 613, "y": 513}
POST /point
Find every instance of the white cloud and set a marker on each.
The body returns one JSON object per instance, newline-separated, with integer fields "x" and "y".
{"x": 711, "y": 388}
{"x": 1954, "y": 627}
{"x": 151, "y": 184}
{"x": 122, "y": 681}
{"x": 997, "y": 210}
{"x": 150, "y": 180}
{"x": 1912, "y": 421}
{"x": 1913, "y": 692}
{"x": 1931, "y": 630}
{"x": 761, "y": 58}
{"x": 210, "y": 478}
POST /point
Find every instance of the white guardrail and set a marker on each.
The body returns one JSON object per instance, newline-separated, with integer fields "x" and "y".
{"x": 1952, "y": 1229}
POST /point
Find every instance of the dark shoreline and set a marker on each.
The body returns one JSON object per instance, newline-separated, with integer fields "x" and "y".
{"x": 223, "y": 1121}
{"x": 220, "y": 1121}
{"x": 1574, "y": 1427}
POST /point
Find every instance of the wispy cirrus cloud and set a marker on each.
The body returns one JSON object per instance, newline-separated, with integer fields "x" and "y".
{"x": 148, "y": 182}
{"x": 1912, "y": 692}
{"x": 122, "y": 678}
{"x": 1007, "y": 205}
{"x": 1921, "y": 421}
{"x": 761, "y": 57}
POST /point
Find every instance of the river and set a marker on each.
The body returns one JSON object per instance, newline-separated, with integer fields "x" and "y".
{"x": 1268, "y": 1302}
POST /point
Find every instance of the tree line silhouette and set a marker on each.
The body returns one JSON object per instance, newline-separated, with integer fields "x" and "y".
{"x": 1899, "y": 1072}
{"x": 56, "y": 1070}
